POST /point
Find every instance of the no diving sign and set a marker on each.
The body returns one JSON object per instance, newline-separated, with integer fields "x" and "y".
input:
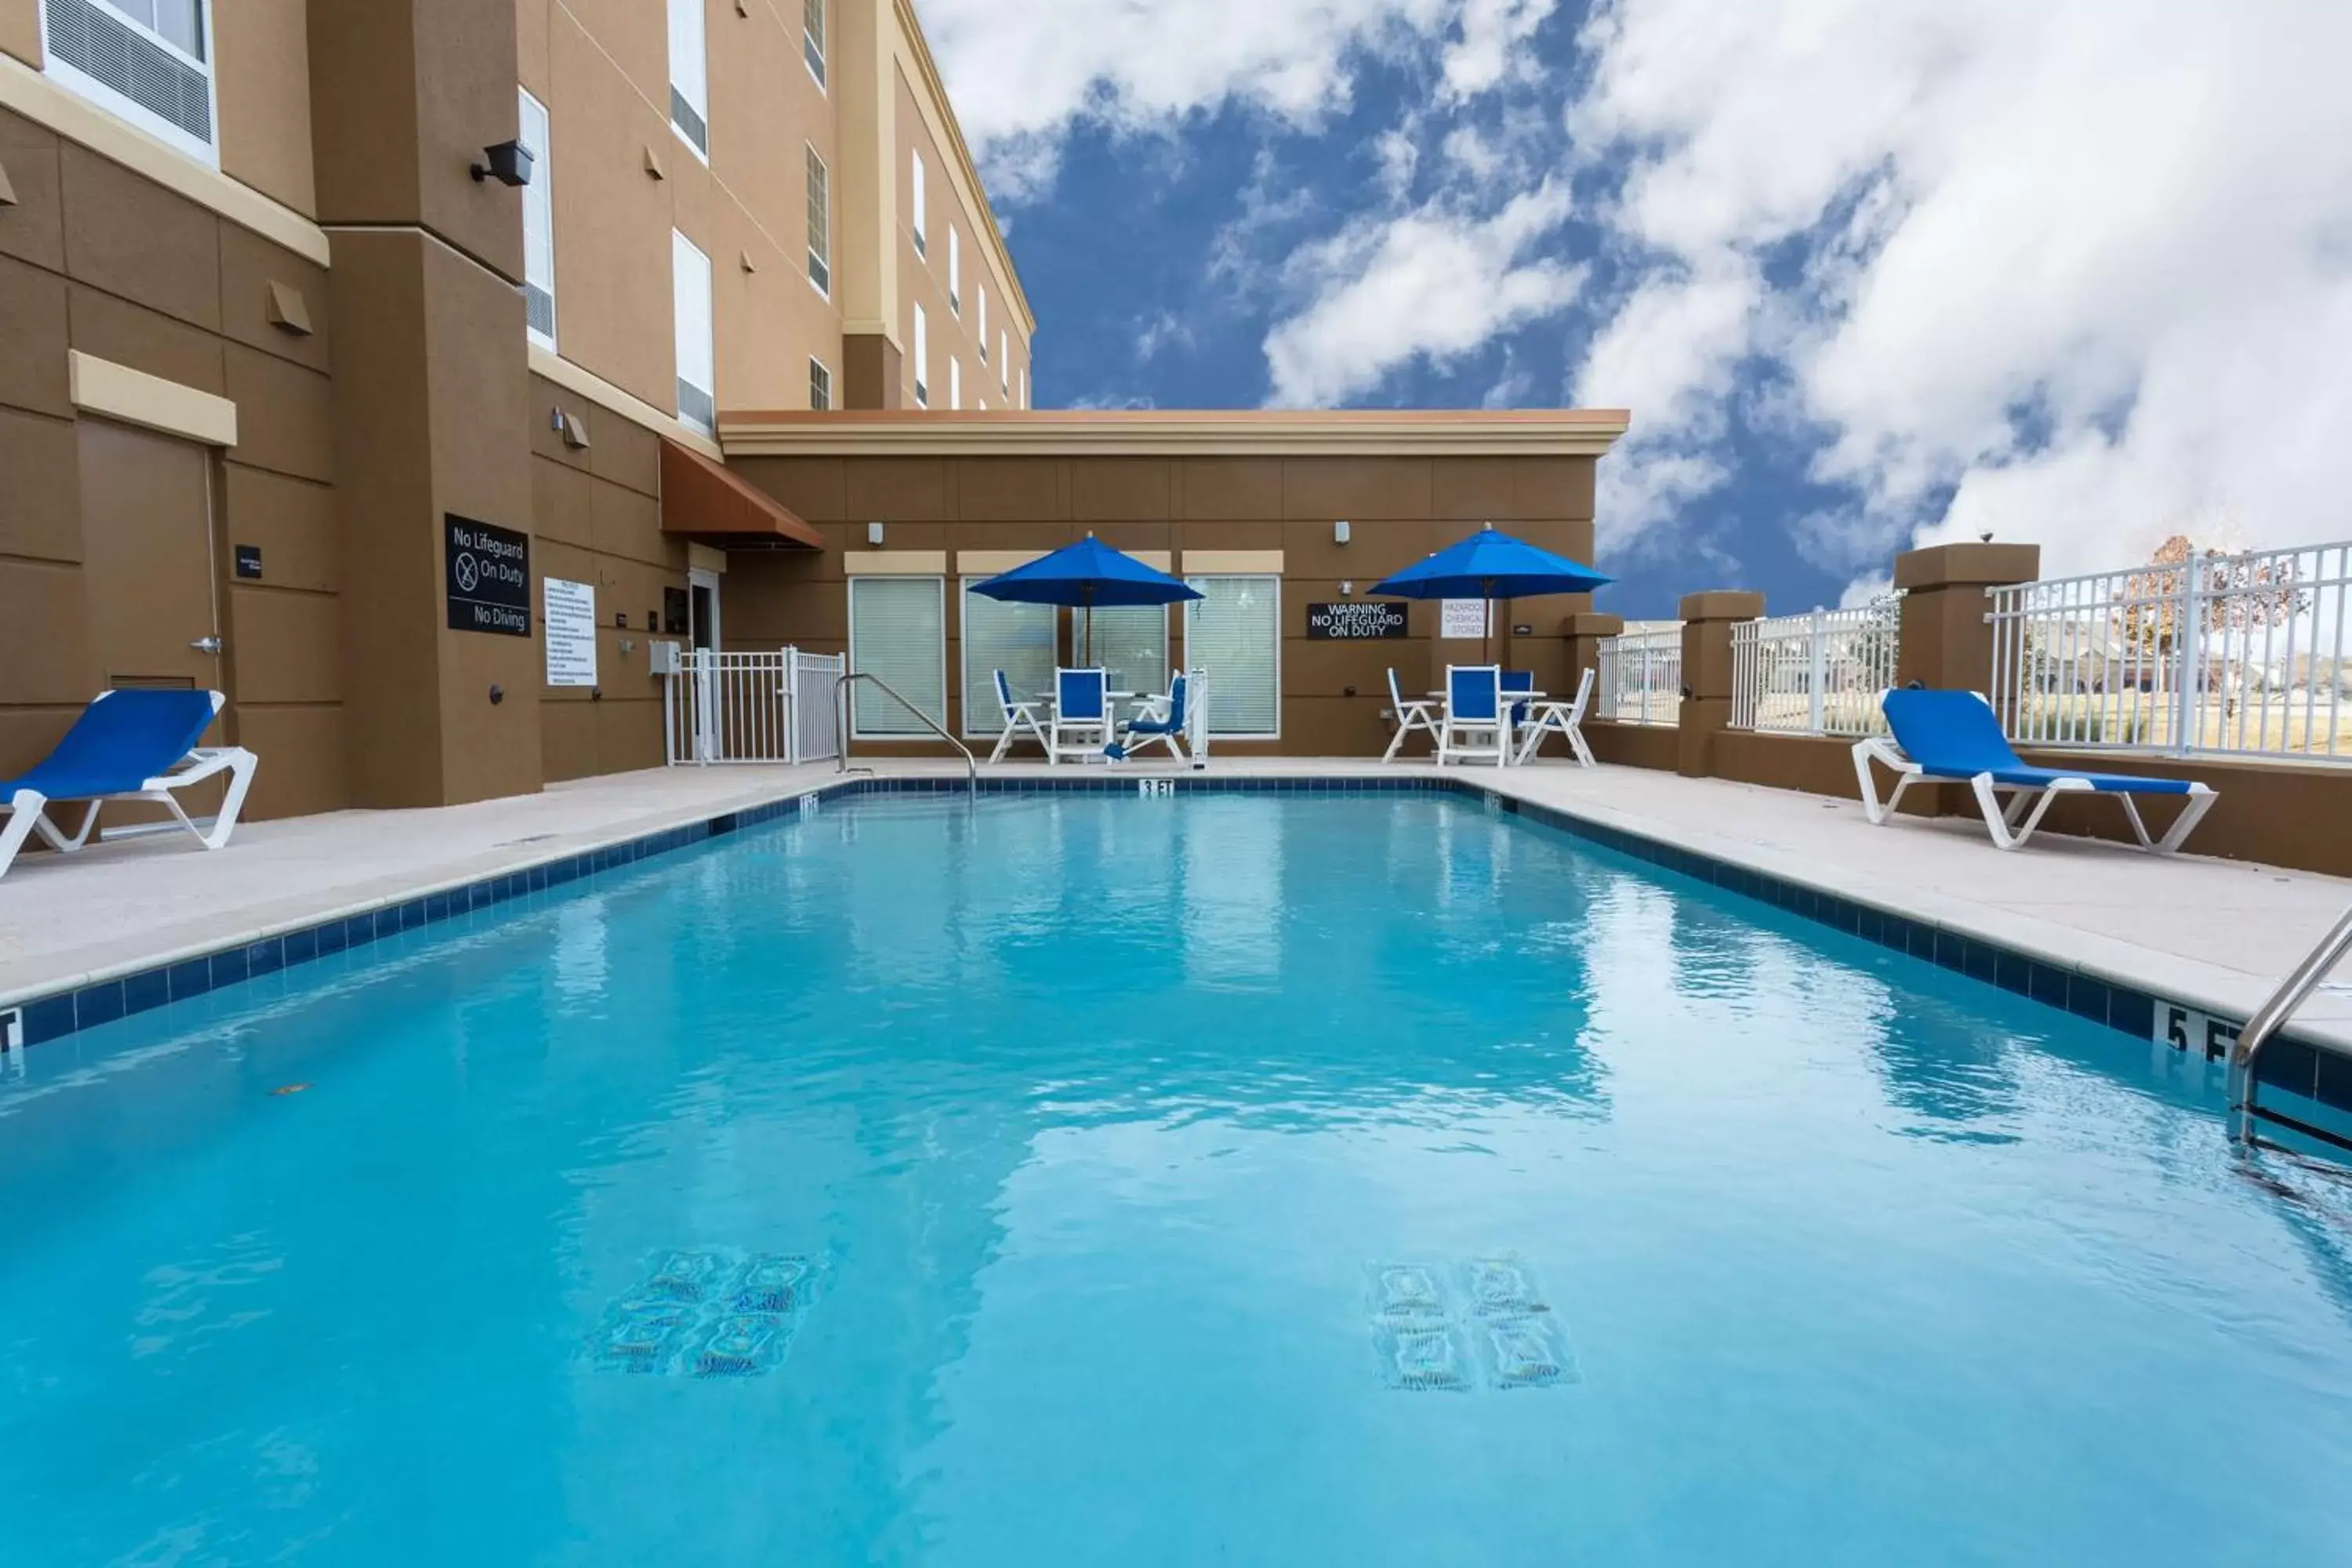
{"x": 488, "y": 577}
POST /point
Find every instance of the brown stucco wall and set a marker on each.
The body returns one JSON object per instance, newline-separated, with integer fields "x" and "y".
{"x": 95, "y": 259}
{"x": 1819, "y": 763}
{"x": 2281, "y": 814}
{"x": 596, "y": 514}
{"x": 1400, "y": 509}
{"x": 1634, "y": 746}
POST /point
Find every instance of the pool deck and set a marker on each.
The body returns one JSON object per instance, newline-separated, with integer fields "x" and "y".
{"x": 2214, "y": 934}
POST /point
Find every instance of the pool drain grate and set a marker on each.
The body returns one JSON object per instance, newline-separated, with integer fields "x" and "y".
{"x": 708, "y": 1312}
{"x": 1485, "y": 1324}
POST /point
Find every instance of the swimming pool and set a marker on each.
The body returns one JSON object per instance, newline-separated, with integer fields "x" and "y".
{"x": 1086, "y": 1179}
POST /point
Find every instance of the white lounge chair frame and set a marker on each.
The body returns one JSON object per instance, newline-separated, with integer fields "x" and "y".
{"x": 1557, "y": 718}
{"x": 1452, "y": 745}
{"x": 1018, "y": 715}
{"x": 2014, "y": 822}
{"x": 28, "y": 809}
{"x": 1420, "y": 714}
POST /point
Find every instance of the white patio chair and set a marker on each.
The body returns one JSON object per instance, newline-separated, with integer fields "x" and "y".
{"x": 1564, "y": 719}
{"x": 1476, "y": 727}
{"x": 1418, "y": 714}
{"x": 1018, "y": 715}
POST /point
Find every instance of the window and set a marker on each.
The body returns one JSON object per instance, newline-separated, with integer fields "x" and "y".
{"x": 955, "y": 382}
{"x": 1130, "y": 641}
{"x": 147, "y": 61}
{"x": 897, "y": 632}
{"x": 820, "y": 224}
{"x": 691, "y": 282}
{"x": 983, "y": 321}
{"x": 812, "y": 37}
{"x": 955, "y": 270}
{"x": 1234, "y": 634}
{"x": 922, "y": 202}
{"x": 922, "y": 360}
{"x": 1015, "y": 639}
{"x": 689, "y": 74}
{"x": 1004, "y": 361}
{"x": 820, "y": 387}
{"x": 537, "y": 227}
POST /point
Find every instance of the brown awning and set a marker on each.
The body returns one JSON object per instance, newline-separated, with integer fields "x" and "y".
{"x": 703, "y": 501}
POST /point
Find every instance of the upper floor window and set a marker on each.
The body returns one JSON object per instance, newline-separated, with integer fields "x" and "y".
{"x": 922, "y": 204}
{"x": 922, "y": 360}
{"x": 149, "y": 61}
{"x": 820, "y": 224}
{"x": 955, "y": 270}
{"x": 689, "y": 74}
{"x": 820, "y": 387}
{"x": 691, "y": 282}
{"x": 538, "y": 226}
{"x": 1004, "y": 361}
{"x": 812, "y": 37}
{"x": 982, "y": 296}
{"x": 955, "y": 382}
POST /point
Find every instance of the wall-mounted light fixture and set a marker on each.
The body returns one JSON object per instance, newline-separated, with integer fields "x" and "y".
{"x": 1339, "y": 532}
{"x": 874, "y": 534}
{"x": 509, "y": 164}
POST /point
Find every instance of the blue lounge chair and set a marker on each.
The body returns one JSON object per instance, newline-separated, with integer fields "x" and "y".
{"x": 1018, "y": 715}
{"x": 132, "y": 744}
{"x": 1476, "y": 728}
{"x": 1956, "y": 735}
{"x": 1164, "y": 721}
{"x": 1082, "y": 717}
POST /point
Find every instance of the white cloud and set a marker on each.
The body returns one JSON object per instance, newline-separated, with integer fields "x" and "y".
{"x": 1433, "y": 283}
{"x": 2088, "y": 262}
{"x": 1492, "y": 44}
{"x": 1021, "y": 73}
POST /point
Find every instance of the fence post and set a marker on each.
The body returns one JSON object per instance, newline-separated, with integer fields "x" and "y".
{"x": 2188, "y": 643}
{"x": 1818, "y": 671}
{"x": 1945, "y": 641}
{"x": 1707, "y": 620}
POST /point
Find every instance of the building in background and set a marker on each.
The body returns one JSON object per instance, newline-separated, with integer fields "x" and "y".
{"x": 409, "y": 370}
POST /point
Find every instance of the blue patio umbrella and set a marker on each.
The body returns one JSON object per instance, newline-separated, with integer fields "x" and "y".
{"x": 1082, "y": 575}
{"x": 1490, "y": 565}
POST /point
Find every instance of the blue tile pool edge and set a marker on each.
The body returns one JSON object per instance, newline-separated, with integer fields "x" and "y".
{"x": 2297, "y": 1064}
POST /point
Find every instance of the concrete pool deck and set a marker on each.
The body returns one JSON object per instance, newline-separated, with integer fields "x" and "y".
{"x": 2215, "y": 934}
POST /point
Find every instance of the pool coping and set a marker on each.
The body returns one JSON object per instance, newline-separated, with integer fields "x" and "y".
{"x": 69, "y": 1004}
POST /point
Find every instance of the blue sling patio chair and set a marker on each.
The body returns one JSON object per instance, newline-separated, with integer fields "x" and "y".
{"x": 1956, "y": 736}
{"x": 1166, "y": 720}
{"x": 1476, "y": 727}
{"x": 137, "y": 743}
{"x": 1080, "y": 726}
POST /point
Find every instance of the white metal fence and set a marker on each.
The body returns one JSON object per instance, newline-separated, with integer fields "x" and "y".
{"x": 1641, "y": 676}
{"x": 2214, "y": 653}
{"x": 770, "y": 706}
{"x": 1821, "y": 674}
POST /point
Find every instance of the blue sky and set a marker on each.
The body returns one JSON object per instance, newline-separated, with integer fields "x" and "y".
{"x": 1865, "y": 271}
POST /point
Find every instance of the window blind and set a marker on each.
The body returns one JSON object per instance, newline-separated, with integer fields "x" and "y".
{"x": 955, "y": 270}
{"x": 1130, "y": 641}
{"x": 1234, "y": 634}
{"x": 955, "y": 382}
{"x": 690, "y": 74}
{"x": 897, "y": 632}
{"x": 923, "y": 359}
{"x": 820, "y": 386}
{"x": 820, "y": 224}
{"x": 538, "y": 225}
{"x": 1015, "y": 639}
{"x": 921, "y": 205}
{"x": 812, "y": 37}
{"x": 690, "y": 278}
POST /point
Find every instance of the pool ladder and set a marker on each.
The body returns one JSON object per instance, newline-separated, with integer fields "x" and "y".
{"x": 841, "y": 724}
{"x": 2268, "y": 1020}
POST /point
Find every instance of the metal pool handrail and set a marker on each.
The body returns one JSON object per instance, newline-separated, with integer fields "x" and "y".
{"x": 2272, "y": 1016}
{"x": 841, "y": 724}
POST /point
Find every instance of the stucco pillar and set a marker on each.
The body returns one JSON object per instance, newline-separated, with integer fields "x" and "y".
{"x": 1583, "y": 633}
{"x": 1946, "y": 642}
{"x": 1707, "y": 620}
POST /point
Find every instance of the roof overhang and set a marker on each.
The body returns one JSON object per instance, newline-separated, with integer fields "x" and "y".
{"x": 1162, "y": 433}
{"x": 702, "y": 501}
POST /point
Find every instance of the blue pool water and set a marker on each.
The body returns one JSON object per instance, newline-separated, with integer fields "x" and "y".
{"x": 1077, "y": 1131}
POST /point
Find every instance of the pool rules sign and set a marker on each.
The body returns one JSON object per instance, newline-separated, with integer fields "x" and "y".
{"x": 568, "y": 626}
{"x": 488, "y": 577}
